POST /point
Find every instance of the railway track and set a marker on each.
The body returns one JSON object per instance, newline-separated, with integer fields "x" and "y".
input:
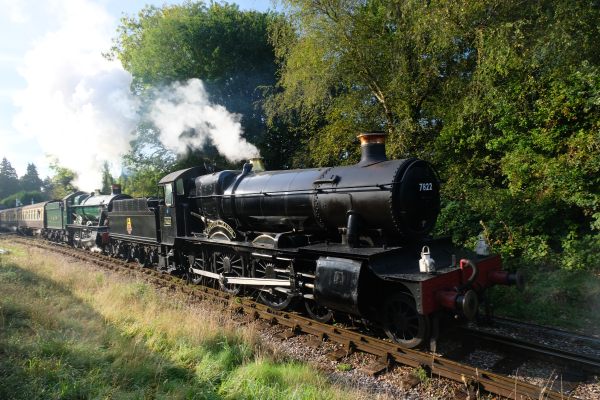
{"x": 387, "y": 353}
{"x": 592, "y": 341}
{"x": 589, "y": 363}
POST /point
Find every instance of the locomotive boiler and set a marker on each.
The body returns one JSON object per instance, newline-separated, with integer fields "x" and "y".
{"x": 377, "y": 201}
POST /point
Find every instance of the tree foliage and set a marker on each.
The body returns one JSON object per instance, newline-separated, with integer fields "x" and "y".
{"x": 31, "y": 180}
{"x": 375, "y": 65}
{"x": 61, "y": 182}
{"x": 29, "y": 187}
{"x": 145, "y": 164}
{"x": 9, "y": 181}
{"x": 521, "y": 149}
{"x": 107, "y": 179}
{"x": 503, "y": 96}
{"x": 23, "y": 198}
{"x": 228, "y": 49}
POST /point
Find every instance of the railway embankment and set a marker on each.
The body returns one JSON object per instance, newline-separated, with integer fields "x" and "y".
{"x": 263, "y": 346}
{"x": 70, "y": 330}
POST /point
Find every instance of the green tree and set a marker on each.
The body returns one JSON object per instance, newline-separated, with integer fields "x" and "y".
{"x": 47, "y": 186}
{"x": 145, "y": 164}
{"x": 9, "y": 181}
{"x": 521, "y": 149}
{"x": 61, "y": 181}
{"x": 24, "y": 198}
{"x": 501, "y": 95}
{"x": 107, "y": 179}
{"x": 228, "y": 49}
{"x": 31, "y": 180}
{"x": 350, "y": 66}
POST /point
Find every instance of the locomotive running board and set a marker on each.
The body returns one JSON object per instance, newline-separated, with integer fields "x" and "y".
{"x": 243, "y": 281}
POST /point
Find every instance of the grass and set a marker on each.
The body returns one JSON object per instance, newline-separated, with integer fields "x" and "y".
{"x": 421, "y": 374}
{"x": 68, "y": 331}
{"x": 343, "y": 367}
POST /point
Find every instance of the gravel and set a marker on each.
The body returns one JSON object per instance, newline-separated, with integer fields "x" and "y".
{"x": 398, "y": 382}
{"x": 546, "y": 336}
{"x": 551, "y": 375}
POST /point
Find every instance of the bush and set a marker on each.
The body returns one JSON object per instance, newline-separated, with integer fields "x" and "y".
{"x": 24, "y": 198}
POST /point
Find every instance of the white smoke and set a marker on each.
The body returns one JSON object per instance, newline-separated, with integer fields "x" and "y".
{"x": 14, "y": 10}
{"x": 186, "y": 118}
{"x": 77, "y": 104}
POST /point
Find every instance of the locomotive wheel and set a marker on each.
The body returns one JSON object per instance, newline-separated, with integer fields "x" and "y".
{"x": 113, "y": 249}
{"x": 276, "y": 298}
{"x": 229, "y": 264}
{"x": 138, "y": 254}
{"x": 401, "y": 321}
{"x": 77, "y": 240}
{"x": 317, "y": 312}
{"x": 196, "y": 262}
{"x": 132, "y": 254}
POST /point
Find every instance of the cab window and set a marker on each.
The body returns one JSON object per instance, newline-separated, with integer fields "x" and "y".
{"x": 169, "y": 195}
{"x": 179, "y": 186}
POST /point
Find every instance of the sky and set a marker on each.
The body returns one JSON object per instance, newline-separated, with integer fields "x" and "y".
{"x": 55, "y": 84}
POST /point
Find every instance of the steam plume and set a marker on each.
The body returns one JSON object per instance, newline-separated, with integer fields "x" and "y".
{"x": 77, "y": 104}
{"x": 186, "y": 118}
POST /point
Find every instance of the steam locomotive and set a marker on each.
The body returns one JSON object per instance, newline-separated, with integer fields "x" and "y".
{"x": 349, "y": 240}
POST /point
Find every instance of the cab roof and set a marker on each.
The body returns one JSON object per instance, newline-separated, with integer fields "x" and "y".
{"x": 184, "y": 174}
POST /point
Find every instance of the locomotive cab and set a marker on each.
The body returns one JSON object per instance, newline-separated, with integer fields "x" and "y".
{"x": 175, "y": 215}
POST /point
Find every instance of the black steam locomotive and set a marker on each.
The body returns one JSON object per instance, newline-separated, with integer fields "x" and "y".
{"x": 351, "y": 240}
{"x": 347, "y": 239}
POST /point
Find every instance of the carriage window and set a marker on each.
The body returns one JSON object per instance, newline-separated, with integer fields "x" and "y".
{"x": 180, "y": 188}
{"x": 169, "y": 195}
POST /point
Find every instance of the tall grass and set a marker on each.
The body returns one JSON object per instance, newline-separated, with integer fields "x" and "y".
{"x": 68, "y": 331}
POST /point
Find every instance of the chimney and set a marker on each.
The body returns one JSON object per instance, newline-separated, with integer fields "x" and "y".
{"x": 257, "y": 164}
{"x": 372, "y": 147}
{"x": 115, "y": 189}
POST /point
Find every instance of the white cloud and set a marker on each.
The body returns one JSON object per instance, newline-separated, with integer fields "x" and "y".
{"x": 15, "y": 10}
{"x": 9, "y": 59}
{"x": 76, "y": 103}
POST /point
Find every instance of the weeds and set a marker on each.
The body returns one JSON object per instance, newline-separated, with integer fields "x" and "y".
{"x": 344, "y": 367}
{"x": 421, "y": 374}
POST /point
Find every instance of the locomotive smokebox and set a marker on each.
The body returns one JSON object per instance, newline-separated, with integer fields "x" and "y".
{"x": 372, "y": 147}
{"x": 115, "y": 189}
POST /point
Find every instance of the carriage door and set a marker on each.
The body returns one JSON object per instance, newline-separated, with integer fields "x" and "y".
{"x": 168, "y": 219}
